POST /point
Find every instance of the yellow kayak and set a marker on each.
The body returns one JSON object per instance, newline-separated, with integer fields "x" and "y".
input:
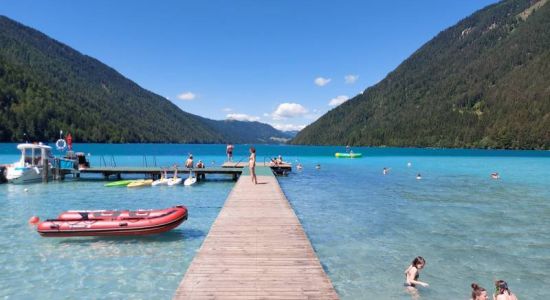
{"x": 140, "y": 182}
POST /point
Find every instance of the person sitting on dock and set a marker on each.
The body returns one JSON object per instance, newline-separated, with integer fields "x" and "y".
{"x": 200, "y": 165}
{"x": 189, "y": 162}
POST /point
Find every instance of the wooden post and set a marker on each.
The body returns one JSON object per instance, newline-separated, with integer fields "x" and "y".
{"x": 57, "y": 169}
{"x": 45, "y": 170}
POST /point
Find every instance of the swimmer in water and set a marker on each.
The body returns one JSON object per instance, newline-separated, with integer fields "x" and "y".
{"x": 502, "y": 292}
{"x": 385, "y": 171}
{"x": 418, "y": 176}
{"x": 412, "y": 273}
{"x": 495, "y": 175}
{"x": 318, "y": 166}
{"x": 478, "y": 293}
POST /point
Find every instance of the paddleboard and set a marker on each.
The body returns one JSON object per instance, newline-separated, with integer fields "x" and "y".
{"x": 140, "y": 183}
{"x": 162, "y": 181}
{"x": 174, "y": 181}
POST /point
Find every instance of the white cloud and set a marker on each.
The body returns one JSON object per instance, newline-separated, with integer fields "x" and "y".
{"x": 350, "y": 79}
{"x": 320, "y": 81}
{"x": 242, "y": 117}
{"x": 186, "y": 96}
{"x": 227, "y": 109}
{"x": 288, "y": 127}
{"x": 266, "y": 115}
{"x": 288, "y": 110}
{"x": 338, "y": 100}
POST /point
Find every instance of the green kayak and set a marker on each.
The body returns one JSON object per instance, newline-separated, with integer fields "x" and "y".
{"x": 119, "y": 183}
{"x": 348, "y": 155}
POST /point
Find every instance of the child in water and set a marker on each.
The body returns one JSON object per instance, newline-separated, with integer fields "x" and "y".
{"x": 502, "y": 292}
{"x": 412, "y": 273}
{"x": 478, "y": 293}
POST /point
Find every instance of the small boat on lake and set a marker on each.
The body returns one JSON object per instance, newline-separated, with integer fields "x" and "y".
{"x": 113, "y": 223}
{"x": 30, "y": 166}
{"x": 348, "y": 155}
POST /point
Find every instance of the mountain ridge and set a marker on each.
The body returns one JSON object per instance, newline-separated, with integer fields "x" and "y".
{"x": 482, "y": 83}
{"x": 46, "y": 86}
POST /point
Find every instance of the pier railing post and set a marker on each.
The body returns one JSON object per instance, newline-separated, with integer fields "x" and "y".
{"x": 45, "y": 170}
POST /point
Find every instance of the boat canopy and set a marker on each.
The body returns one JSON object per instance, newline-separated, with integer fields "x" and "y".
{"x": 33, "y": 146}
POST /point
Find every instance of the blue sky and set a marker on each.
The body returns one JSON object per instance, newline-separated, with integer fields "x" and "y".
{"x": 280, "y": 62}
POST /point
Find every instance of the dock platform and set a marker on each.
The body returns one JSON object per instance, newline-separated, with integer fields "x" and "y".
{"x": 156, "y": 171}
{"x": 230, "y": 164}
{"x": 256, "y": 249}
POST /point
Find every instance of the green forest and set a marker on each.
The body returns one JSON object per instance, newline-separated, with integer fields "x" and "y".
{"x": 483, "y": 83}
{"x": 46, "y": 86}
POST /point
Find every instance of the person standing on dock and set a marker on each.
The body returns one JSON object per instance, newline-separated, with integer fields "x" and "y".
{"x": 229, "y": 151}
{"x": 252, "y": 164}
{"x": 189, "y": 162}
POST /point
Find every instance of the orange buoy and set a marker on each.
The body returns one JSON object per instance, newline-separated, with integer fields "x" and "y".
{"x": 34, "y": 220}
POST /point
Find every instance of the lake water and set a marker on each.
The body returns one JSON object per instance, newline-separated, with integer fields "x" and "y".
{"x": 366, "y": 227}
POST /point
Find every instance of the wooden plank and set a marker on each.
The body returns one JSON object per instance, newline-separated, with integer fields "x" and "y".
{"x": 256, "y": 249}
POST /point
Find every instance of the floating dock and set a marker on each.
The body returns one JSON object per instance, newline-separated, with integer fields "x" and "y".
{"x": 230, "y": 164}
{"x": 256, "y": 249}
{"x": 155, "y": 172}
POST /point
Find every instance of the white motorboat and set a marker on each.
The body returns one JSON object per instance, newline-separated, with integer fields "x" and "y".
{"x": 30, "y": 166}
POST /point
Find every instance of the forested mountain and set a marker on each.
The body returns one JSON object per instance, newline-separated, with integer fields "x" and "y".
{"x": 484, "y": 82}
{"x": 242, "y": 132}
{"x": 46, "y": 86}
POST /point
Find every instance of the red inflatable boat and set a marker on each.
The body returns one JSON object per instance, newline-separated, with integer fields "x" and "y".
{"x": 113, "y": 223}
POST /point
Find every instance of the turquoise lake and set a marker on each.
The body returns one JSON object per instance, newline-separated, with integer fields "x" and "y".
{"x": 365, "y": 227}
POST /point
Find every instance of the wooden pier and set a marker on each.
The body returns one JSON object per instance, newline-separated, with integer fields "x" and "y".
{"x": 256, "y": 249}
{"x": 230, "y": 164}
{"x": 155, "y": 172}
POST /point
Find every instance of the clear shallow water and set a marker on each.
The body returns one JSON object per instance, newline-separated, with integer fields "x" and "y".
{"x": 365, "y": 227}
